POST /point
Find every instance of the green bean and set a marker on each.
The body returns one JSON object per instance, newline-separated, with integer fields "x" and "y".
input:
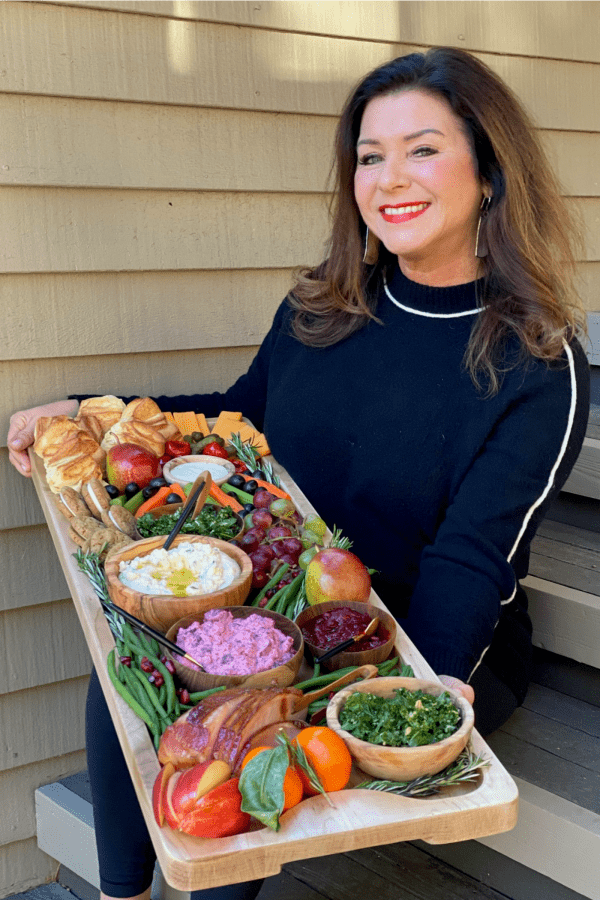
{"x": 271, "y": 583}
{"x": 200, "y": 695}
{"x": 126, "y": 695}
{"x": 288, "y": 600}
{"x": 162, "y": 694}
{"x": 294, "y": 596}
{"x": 168, "y": 679}
{"x": 132, "y": 637}
{"x": 151, "y": 692}
{"x": 140, "y": 694}
{"x": 322, "y": 680}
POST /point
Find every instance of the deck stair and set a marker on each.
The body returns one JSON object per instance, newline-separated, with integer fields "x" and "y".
{"x": 551, "y": 746}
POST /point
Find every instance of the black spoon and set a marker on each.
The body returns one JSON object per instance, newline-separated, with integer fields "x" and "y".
{"x": 157, "y": 635}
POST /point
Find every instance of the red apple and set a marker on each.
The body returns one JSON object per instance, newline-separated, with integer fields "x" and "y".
{"x": 335, "y": 574}
{"x": 128, "y": 462}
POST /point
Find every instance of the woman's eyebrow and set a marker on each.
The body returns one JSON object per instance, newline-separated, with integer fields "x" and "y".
{"x": 406, "y": 138}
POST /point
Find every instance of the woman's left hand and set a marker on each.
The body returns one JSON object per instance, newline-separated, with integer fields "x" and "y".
{"x": 459, "y": 686}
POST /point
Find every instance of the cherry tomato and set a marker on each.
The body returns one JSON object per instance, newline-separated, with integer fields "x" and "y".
{"x": 215, "y": 449}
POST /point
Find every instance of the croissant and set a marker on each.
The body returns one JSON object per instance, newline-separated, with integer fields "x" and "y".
{"x": 107, "y": 410}
{"x": 144, "y": 409}
{"x": 134, "y": 432}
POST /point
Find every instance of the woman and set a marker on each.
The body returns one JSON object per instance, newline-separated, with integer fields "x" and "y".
{"x": 424, "y": 385}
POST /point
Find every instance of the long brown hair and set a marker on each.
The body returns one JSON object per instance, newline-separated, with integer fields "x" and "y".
{"x": 530, "y": 266}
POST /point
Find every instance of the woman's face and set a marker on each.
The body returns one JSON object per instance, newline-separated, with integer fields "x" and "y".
{"x": 417, "y": 187}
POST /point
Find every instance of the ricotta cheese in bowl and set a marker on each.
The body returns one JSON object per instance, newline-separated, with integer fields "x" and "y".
{"x": 183, "y": 571}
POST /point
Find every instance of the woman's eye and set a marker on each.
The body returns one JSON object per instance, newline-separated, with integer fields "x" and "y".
{"x": 369, "y": 159}
{"x": 424, "y": 151}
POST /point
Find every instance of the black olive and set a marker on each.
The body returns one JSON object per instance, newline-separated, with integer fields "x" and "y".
{"x": 236, "y": 481}
{"x": 173, "y": 498}
{"x": 251, "y": 486}
{"x": 258, "y": 473}
{"x": 248, "y": 508}
{"x": 148, "y": 492}
{"x": 131, "y": 489}
{"x": 157, "y": 482}
{"x": 112, "y": 491}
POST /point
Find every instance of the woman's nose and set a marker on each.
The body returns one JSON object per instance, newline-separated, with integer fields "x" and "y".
{"x": 393, "y": 174}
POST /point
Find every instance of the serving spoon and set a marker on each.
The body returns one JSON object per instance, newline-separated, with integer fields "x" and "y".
{"x": 333, "y": 651}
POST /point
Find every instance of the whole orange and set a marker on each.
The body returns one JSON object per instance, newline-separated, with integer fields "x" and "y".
{"x": 328, "y": 755}
{"x": 293, "y": 789}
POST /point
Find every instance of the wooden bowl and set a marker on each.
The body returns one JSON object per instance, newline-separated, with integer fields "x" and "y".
{"x": 163, "y": 611}
{"x": 280, "y": 676}
{"x": 402, "y": 763}
{"x": 203, "y": 462}
{"x": 351, "y": 657}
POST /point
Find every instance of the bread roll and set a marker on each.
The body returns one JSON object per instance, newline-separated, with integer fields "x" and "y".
{"x": 107, "y": 409}
{"x": 134, "y": 432}
{"x": 144, "y": 409}
{"x": 92, "y": 425}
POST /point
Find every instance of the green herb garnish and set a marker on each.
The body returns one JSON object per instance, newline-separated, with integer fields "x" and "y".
{"x": 212, "y": 521}
{"x": 408, "y": 719}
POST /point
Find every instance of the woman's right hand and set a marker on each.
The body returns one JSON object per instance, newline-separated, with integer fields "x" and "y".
{"x": 22, "y": 429}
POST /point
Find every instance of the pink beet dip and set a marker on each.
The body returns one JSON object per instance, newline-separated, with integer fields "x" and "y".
{"x": 227, "y": 646}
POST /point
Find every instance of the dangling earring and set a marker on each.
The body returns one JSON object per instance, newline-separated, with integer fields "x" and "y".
{"x": 371, "y": 248}
{"x": 481, "y": 248}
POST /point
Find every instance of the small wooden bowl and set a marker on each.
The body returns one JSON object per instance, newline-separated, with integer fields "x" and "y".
{"x": 162, "y": 611}
{"x": 351, "y": 657}
{"x": 280, "y": 676}
{"x": 402, "y": 763}
{"x": 170, "y": 468}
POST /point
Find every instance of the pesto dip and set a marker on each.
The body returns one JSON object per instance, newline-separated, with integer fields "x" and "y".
{"x": 408, "y": 719}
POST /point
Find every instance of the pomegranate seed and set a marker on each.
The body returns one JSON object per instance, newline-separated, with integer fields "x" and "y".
{"x": 158, "y": 680}
{"x": 184, "y": 696}
{"x": 169, "y": 666}
{"x": 146, "y": 665}
{"x": 125, "y": 661}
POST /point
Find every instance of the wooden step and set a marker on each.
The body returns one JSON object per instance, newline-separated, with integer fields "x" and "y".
{"x": 563, "y": 585}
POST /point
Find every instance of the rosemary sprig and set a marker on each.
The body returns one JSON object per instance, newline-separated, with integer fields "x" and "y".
{"x": 465, "y": 768}
{"x": 90, "y": 565}
{"x": 248, "y": 453}
{"x": 339, "y": 540}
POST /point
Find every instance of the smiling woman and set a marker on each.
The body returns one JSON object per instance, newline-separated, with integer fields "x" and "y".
{"x": 440, "y": 330}
{"x": 417, "y": 186}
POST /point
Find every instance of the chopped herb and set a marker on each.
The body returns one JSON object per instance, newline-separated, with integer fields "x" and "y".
{"x": 212, "y": 521}
{"x": 408, "y": 719}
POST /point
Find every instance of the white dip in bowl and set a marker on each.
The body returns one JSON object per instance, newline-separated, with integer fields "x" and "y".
{"x": 184, "y": 571}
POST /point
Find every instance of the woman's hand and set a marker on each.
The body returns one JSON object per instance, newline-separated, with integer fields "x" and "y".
{"x": 22, "y": 428}
{"x": 459, "y": 686}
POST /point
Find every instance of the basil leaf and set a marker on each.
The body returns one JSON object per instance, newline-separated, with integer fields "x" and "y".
{"x": 261, "y": 786}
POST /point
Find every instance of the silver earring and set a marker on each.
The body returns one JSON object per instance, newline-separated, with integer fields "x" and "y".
{"x": 371, "y": 250}
{"x": 481, "y": 248}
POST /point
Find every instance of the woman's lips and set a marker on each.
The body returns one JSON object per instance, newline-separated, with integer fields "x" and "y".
{"x": 403, "y": 213}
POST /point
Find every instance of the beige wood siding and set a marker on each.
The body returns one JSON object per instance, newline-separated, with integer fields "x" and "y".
{"x": 164, "y": 168}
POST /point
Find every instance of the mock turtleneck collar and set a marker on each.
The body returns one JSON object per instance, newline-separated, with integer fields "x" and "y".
{"x": 437, "y": 302}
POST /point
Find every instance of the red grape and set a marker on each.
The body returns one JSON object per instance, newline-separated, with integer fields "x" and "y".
{"x": 262, "y": 518}
{"x": 279, "y": 531}
{"x": 263, "y": 499}
{"x": 259, "y": 579}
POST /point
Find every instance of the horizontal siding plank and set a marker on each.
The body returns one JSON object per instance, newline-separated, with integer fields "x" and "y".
{"x": 42, "y": 723}
{"x": 92, "y": 143}
{"x": 23, "y": 866}
{"x": 155, "y": 311}
{"x": 17, "y": 787}
{"x": 52, "y": 141}
{"x": 63, "y": 230}
{"x": 31, "y": 383}
{"x": 31, "y": 572}
{"x": 148, "y": 59}
{"x": 20, "y": 506}
{"x": 534, "y": 29}
{"x": 139, "y": 313}
{"x": 30, "y": 657}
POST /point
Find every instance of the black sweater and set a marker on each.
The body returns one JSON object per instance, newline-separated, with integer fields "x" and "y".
{"x": 439, "y": 489}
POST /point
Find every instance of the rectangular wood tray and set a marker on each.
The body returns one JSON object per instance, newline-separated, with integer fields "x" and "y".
{"x": 357, "y": 818}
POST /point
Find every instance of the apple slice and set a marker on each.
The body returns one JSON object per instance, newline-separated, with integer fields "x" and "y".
{"x": 159, "y": 791}
{"x": 194, "y": 783}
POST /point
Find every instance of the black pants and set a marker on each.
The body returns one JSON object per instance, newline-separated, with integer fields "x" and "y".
{"x": 125, "y": 853}
{"x": 494, "y": 701}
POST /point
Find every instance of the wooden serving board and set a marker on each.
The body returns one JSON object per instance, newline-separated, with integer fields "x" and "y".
{"x": 356, "y": 818}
